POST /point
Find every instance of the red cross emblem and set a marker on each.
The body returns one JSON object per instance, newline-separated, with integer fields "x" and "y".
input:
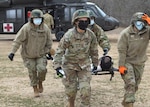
{"x": 8, "y": 27}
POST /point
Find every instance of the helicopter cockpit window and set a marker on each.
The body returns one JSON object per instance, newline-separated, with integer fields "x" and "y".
{"x": 101, "y": 11}
{"x": 97, "y": 11}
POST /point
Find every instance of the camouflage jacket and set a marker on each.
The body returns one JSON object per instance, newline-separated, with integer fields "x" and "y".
{"x": 76, "y": 48}
{"x": 35, "y": 42}
{"x": 132, "y": 46}
{"x": 102, "y": 39}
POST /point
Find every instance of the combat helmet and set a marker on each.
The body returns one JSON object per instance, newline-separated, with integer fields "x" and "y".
{"x": 137, "y": 17}
{"x": 91, "y": 14}
{"x": 79, "y": 14}
{"x": 36, "y": 13}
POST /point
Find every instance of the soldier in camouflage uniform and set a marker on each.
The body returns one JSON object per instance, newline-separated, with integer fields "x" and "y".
{"x": 102, "y": 39}
{"x": 36, "y": 41}
{"x": 48, "y": 20}
{"x": 73, "y": 55}
{"x": 132, "y": 46}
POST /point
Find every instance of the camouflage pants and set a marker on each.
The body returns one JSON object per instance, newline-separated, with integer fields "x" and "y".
{"x": 76, "y": 77}
{"x": 132, "y": 80}
{"x": 36, "y": 69}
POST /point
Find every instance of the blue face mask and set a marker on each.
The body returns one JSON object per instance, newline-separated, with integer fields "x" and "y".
{"x": 37, "y": 21}
{"x": 139, "y": 25}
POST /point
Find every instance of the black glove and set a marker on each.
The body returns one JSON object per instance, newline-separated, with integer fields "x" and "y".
{"x": 94, "y": 70}
{"x": 49, "y": 57}
{"x": 105, "y": 50}
{"x": 11, "y": 56}
{"x": 60, "y": 72}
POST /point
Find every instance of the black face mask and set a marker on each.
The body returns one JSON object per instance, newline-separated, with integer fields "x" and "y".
{"x": 83, "y": 24}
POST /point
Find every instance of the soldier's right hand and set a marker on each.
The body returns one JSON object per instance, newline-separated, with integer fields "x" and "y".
{"x": 11, "y": 56}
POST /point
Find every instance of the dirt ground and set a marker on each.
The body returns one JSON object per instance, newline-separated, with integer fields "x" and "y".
{"x": 15, "y": 90}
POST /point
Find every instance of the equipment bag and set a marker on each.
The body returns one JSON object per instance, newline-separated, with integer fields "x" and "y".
{"x": 106, "y": 63}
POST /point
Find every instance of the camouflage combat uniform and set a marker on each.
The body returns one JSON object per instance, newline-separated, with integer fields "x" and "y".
{"x": 35, "y": 43}
{"x": 48, "y": 20}
{"x": 102, "y": 39}
{"x": 73, "y": 55}
{"x": 132, "y": 48}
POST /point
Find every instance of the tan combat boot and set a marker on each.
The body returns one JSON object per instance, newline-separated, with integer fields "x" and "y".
{"x": 70, "y": 103}
{"x": 126, "y": 104}
{"x": 36, "y": 91}
{"x": 40, "y": 87}
{"x": 129, "y": 105}
{"x": 123, "y": 102}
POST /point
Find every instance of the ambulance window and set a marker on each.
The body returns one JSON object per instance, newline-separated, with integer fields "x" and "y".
{"x": 11, "y": 14}
{"x": 19, "y": 13}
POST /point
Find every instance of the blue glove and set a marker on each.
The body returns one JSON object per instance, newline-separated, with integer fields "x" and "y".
{"x": 105, "y": 50}
{"x": 11, "y": 56}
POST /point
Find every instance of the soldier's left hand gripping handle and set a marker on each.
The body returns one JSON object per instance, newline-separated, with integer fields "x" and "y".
{"x": 49, "y": 57}
{"x": 60, "y": 72}
{"x": 11, "y": 56}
